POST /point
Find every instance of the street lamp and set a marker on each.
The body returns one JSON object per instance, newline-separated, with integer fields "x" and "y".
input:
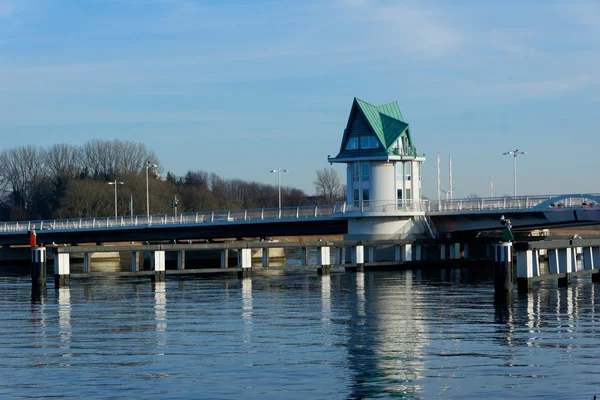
{"x": 115, "y": 183}
{"x": 514, "y": 153}
{"x": 279, "y": 171}
{"x": 148, "y": 166}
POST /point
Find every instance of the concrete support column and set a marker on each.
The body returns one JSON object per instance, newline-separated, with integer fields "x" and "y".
{"x": 418, "y": 253}
{"x": 358, "y": 258}
{"x": 62, "y": 269}
{"x": 134, "y": 261}
{"x": 407, "y": 252}
{"x": 588, "y": 259}
{"x": 338, "y": 255}
{"x": 524, "y": 270}
{"x": 536, "y": 262}
{"x": 443, "y": 251}
{"x": 224, "y": 258}
{"x": 87, "y": 260}
{"x": 324, "y": 260}
{"x": 38, "y": 266}
{"x": 398, "y": 253}
{"x": 245, "y": 262}
{"x": 181, "y": 260}
{"x": 553, "y": 261}
{"x": 466, "y": 250}
{"x": 565, "y": 262}
{"x": 503, "y": 273}
{"x": 371, "y": 254}
{"x": 304, "y": 256}
{"x": 158, "y": 266}
{"x": 454, "y": 251}
{"x": 596, "y": 260}
{"x": 265, "y": 258}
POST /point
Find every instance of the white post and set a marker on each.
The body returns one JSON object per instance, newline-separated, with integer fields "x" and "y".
{"x": 418, "y": 252}
{"x": 324, "y": 256}
{"x": 158, "y": 261}
{"x": 224, "y": 258}
{"x": 565, "y": 260}
{"x": 553, "y": 261}
{"x": 265, "y": 258}
{"x": 358, "y": 254}
{"x": 134, "y": 261}
{"x": 407, "y": 252}
{"x": 245, "y": 258}
{"x": 87, "y": 257}
{"x": 181, "y": 260}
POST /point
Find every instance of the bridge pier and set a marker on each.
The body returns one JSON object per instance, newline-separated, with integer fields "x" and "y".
{"x": 304, "y": 256}
{"x": 324, "y": 260}
{"x": 565, "y": 265}
{"x": 358, "y": 258}
{"x": 158, "y": 266}
{"x": 371, "y": 251}
{"x": 339, "y": 251}
{"x": 87, "y": 260}
{"x": 181, "y": 260}
{"x": 454, "y": 251}
{"x": 245, "y": 262}
{"x": 418, "y": 254}
{"x": 62, "y": 269}
{"x": 443, "y": 251}
{"x": 134, "y": 261}
{"x": 525, "y": 269}
{"x": 265, "y": 257}
{"x": 224, "y": 258}
{"x": 407, "y": 253}
{"x": 503, "y": 273}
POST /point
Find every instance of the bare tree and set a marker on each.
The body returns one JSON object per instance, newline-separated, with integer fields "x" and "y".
{"x": 63, "y": 161}
{"x": 109, "y": 159}
{"x": 328, "y": 184}
{"x": 22, "y": 169}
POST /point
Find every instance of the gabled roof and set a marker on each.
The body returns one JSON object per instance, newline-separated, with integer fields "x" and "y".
{"x": 385, "y": 123}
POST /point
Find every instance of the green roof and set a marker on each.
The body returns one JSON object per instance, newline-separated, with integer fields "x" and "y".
{"x": 385, "y": 122}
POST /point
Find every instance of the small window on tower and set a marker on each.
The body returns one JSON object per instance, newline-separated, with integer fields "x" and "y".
{"x": 352, "y": 144}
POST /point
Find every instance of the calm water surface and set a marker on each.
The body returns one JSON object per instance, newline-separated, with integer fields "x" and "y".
{"x": 299, "y": 336}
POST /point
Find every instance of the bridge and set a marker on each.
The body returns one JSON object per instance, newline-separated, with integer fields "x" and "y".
{"x": 440, "y": 217}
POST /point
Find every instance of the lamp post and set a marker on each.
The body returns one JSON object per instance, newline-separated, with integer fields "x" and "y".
{"x": 115, "y": 183}
{"x": 514, "y": 153}
{"x": 148, "y": 166}
{"x": 279, "y": 171}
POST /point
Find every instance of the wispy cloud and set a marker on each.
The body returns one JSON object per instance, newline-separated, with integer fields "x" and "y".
{"x": 411, "y": 26}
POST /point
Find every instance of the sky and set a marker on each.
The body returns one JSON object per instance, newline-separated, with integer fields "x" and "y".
{"x": 239, "y": 88}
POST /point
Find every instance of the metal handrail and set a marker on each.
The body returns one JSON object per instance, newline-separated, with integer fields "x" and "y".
{"x": 338, "y": 210}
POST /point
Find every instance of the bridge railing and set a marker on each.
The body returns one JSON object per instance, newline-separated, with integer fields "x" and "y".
{"x": 381, "y": 206}
{"x": 509, "y": 203}
{"x": 216, "y": 217}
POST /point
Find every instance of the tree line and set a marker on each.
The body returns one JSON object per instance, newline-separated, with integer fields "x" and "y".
{"x": 69, "y": 181}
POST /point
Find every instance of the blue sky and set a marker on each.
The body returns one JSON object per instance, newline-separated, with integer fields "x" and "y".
{"x": 242, "y": 87}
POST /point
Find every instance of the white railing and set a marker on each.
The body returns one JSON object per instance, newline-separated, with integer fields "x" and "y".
{"x": 339, "y": 210}
{"x": 514, "y": 203}
{"x": 381, "y": 206}
{"x": 210, "y": 217}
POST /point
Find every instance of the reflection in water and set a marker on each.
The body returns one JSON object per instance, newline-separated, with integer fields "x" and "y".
{"x": 64, "y": 321}
{"x": 387, "y": 336}
{"x": 326, "y": 308}
{"x": 160, "y": 313}
{"x": 247, "y": 308}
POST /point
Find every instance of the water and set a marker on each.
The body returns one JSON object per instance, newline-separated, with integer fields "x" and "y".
{"x": 404, "y": 334}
